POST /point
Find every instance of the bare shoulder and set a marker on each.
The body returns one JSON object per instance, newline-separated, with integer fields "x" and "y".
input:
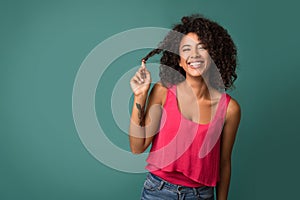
{"x": 158, "y": 93}
{"x": 233, "y": 110}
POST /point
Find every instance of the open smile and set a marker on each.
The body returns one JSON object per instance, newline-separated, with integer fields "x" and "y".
{"x": 196, "y": 64}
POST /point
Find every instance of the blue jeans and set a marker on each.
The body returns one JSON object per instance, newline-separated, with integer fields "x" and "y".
{"x": 156, "y": 188}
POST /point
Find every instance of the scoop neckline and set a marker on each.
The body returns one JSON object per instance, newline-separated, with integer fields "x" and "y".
{"x": 196, "y": 123}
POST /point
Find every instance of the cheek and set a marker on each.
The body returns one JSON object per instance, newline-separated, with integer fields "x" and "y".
{"x": 183, "y": 58}
{"x": 182, "y": 61}
{"x": 209, "y": 60}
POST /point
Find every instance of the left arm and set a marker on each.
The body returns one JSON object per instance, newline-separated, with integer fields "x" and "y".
{"x": 230, "y": 128}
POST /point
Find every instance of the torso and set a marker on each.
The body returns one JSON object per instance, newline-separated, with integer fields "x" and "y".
{"x": 198, "y": 111}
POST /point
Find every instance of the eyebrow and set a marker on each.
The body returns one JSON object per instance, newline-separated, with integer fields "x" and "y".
{"x": 188, "y": 45}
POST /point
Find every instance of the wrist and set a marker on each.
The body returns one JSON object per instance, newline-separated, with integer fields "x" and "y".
{"x": 141, "y": 95}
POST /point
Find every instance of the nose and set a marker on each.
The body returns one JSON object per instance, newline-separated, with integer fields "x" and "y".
{"x": 195, "y": 53}
{"x": 195, "y": 56}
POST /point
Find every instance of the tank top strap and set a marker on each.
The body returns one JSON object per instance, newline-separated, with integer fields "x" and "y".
{"x": 221, "y": 107}
{"x": 171, "y": 97}
{"x": 172, "y": 89}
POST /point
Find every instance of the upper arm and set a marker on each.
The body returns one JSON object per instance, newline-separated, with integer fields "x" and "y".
{"x": 153, "y": 111}
{"x": 232, "y": 120}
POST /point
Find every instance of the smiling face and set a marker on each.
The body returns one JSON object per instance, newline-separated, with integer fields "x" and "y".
{"x": 194, "y": 58}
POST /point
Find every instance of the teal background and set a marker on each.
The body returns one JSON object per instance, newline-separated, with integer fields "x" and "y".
{"x": 43, "y": 44}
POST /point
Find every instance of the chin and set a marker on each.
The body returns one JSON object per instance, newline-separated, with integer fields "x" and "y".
{"x": 196, "y": 73}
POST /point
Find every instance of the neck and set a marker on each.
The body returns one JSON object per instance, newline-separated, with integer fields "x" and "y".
{"x": 198, "y": 86}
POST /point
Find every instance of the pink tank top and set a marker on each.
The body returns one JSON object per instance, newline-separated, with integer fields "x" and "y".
{"x": 184, "y": 152}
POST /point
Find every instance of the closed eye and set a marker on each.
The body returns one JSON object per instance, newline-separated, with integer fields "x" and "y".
{"x": 201, "y": 46}
{"x": 186, "y": 47}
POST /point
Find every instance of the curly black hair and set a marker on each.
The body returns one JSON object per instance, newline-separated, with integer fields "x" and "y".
{"x": 216, "y": 41}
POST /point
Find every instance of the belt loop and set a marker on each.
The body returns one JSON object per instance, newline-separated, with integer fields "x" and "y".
{"x": 195, "y": 191}
{"x": 161, "y": 185}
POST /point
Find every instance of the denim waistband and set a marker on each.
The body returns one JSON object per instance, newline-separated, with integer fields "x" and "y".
{"x": 174, "y": 187}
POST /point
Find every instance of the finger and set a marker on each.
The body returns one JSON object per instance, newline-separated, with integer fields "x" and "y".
{"x": 143, "y": 64}
{"x": 136, "y": 80}
{"x": 147, "y": 74}
{"x": 143, "y": 70}
{"x": 139, "y": 77}
{"x": 141, "y": 74}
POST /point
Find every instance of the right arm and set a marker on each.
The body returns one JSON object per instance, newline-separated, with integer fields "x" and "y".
{"x": 145, "y": 120}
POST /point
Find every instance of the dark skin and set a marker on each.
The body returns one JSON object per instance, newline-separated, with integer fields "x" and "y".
{"x": 192, "y": 90}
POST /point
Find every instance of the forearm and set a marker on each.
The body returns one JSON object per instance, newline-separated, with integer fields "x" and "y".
{"x": 223, "y": 184}
{"x": 137, "y": 130}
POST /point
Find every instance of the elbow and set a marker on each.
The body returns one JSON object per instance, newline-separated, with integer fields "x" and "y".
{"x": 225, "y": 163}
{"x": 226, "y": 160}
{"x": 136, "y": 151}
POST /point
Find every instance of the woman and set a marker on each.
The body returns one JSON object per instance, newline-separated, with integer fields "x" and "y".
{"x": 189, "y": 119}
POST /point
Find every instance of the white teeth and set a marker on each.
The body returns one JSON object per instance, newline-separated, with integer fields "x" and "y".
{"x": 195, "y": 63}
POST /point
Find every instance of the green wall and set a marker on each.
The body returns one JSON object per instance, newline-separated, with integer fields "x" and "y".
{"x": 42, "y": 46}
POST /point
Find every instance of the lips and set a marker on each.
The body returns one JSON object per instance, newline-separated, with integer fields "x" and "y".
{"x": 195, "y": 64}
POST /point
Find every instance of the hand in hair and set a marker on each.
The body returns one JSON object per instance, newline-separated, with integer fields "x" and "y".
{"x": 140, "y": 82}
